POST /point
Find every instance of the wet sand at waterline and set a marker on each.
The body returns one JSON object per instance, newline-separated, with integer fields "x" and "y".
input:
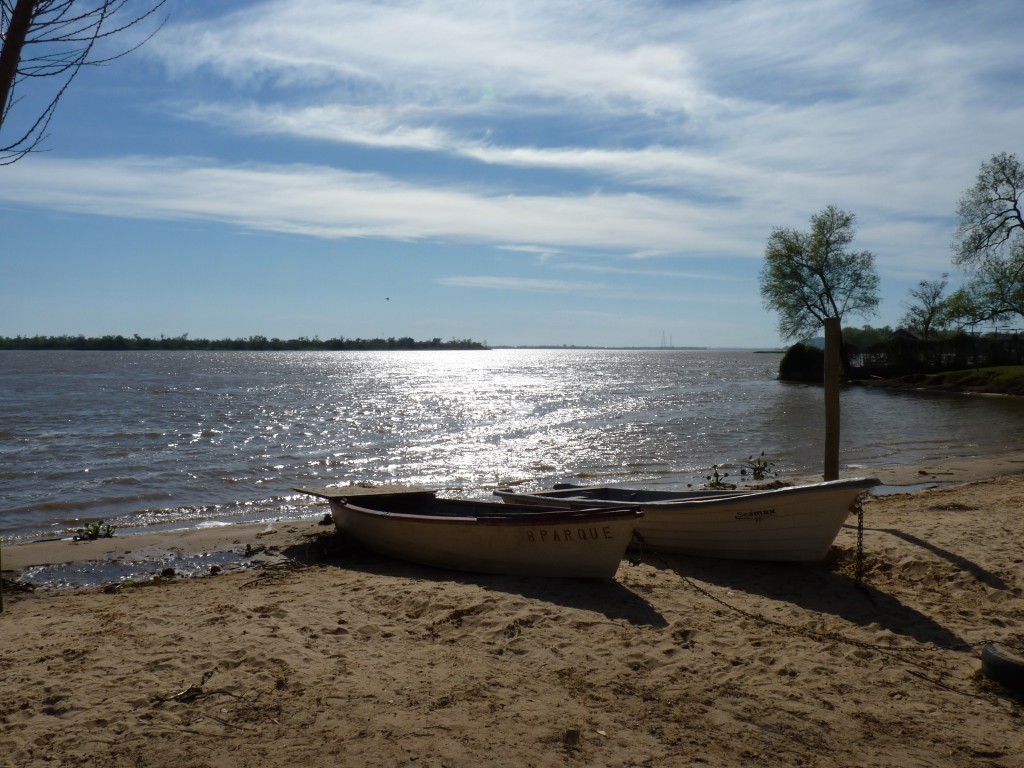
{"x": 333, "y": 656}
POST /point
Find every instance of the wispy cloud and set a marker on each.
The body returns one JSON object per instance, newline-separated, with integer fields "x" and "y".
{"x": 617, "y": 291}
{"x": 327, "y": 202}
{"x": 376, "y": 126}
{"x": 619, "y": 126}
{"x": 519, "y": 284}
{"x": 787, "y": 104}
{"x": 689, "y": 70}
{"x": 674, "y": 274}
{"x": 450, "y": 52}
{"x": 536, "y": 249}
{"x": 644, "y": 147}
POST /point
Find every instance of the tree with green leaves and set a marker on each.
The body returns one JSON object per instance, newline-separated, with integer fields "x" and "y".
{"x": 52, "y": 40}
{"x": 929, "y": 309}
{"x": 810, "y": 276}
{"x": 963, "y": 309}
{"x": 989, "y": 241}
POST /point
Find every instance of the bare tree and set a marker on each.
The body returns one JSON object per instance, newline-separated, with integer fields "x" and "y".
{"x": 52, "y": 39}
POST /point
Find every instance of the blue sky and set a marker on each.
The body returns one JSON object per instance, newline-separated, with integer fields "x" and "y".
{"x": 579, "y": 172}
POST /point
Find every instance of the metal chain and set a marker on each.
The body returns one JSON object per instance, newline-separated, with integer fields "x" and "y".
{"x": 859, "y": 568}
{"x": 821, "y": 636}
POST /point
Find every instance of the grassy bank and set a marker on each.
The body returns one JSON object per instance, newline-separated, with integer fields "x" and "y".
{"x": 997, "y": 380}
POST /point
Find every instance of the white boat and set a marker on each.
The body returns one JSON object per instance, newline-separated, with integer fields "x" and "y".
{"x": 413, "y": 524}
{"x": 794, "y": 523}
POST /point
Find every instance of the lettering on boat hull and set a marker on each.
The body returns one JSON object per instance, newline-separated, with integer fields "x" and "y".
{"x": 569, "y": 535}
{"x": 755, "y": 514}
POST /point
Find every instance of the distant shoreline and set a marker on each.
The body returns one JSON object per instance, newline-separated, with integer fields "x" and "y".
{"x": 135, "y": 342}
{"x": 120, "y": 343}
{"x": 596, "y": 346}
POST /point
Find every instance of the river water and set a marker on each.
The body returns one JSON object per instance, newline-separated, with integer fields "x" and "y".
{"x": 178, "y": 439}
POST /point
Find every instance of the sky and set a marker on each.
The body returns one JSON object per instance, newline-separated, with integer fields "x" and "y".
{"x": 535, "y": 172}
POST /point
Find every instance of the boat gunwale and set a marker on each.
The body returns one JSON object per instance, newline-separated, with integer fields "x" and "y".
{"x": 517, "y": 515}
{"x": 565, "y": 495}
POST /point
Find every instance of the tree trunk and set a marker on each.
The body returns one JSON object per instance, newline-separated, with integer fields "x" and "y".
{"x": 10, "y": 55}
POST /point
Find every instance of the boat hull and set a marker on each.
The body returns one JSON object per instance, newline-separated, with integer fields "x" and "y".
{"x": 485, "y": 537}
{"x": 797, "y": 524}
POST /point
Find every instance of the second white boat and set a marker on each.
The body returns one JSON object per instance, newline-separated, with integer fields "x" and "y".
{"x": 795, "y": 523}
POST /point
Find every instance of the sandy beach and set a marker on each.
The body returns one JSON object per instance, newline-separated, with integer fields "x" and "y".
{"x": 333, "y": 656}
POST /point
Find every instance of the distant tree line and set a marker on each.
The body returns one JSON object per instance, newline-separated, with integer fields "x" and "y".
{"x": 252, "y": 343}
{"x": 888, "y": 353}
{"x": 907, "y": 352}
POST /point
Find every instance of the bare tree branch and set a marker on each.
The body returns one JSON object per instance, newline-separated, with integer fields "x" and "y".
{"x": 990, "y": 239}
{"x": 53, "y": 39}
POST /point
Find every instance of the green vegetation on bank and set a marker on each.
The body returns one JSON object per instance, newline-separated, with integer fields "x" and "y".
{"x": 991, "y": 363}
{"x": 998, "y": 380}
{"x": 813, "y": 277}
{"x": 252, "y": 343}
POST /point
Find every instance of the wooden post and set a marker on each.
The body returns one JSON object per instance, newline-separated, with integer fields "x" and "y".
{"x": 832, "y": 367}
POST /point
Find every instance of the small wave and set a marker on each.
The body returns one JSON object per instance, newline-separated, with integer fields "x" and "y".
{"x": 75, "y": 505}
{"x": 126, "y": 435}
{"x": 119, "y": 481}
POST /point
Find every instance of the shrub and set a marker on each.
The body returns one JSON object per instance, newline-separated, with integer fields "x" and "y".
{"x": 803, "y": 362}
